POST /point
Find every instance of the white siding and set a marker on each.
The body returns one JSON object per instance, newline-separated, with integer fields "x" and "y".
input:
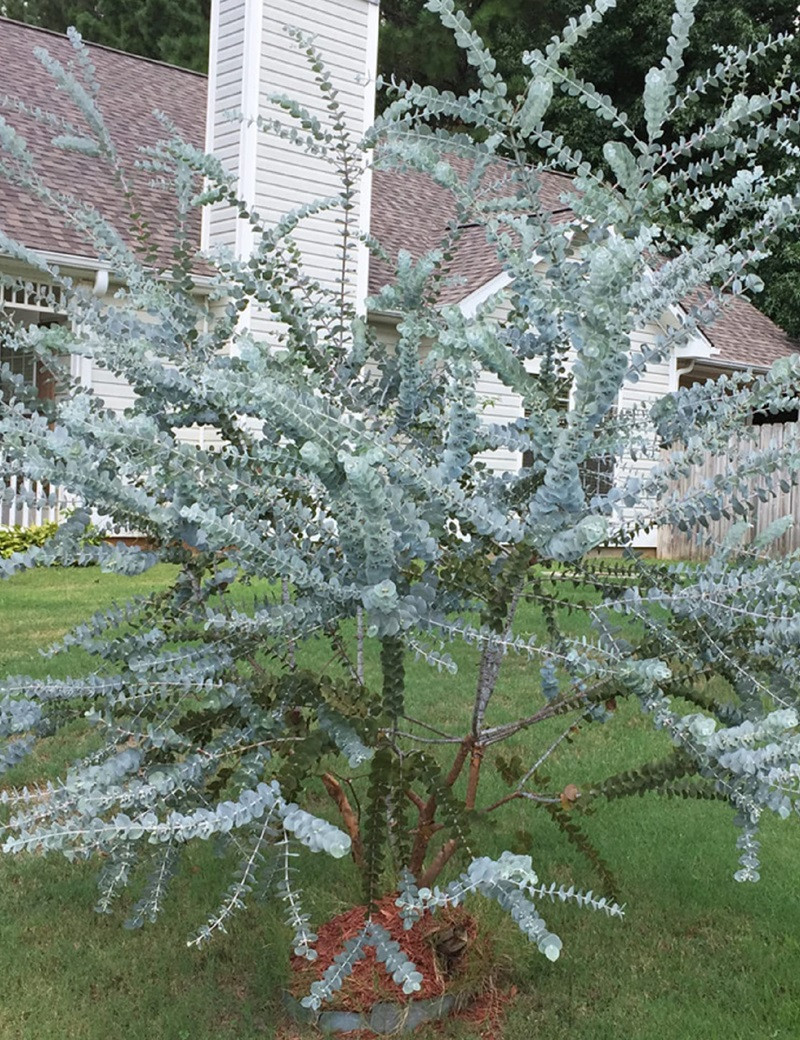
{"x": 655, "y": 382}
{"x": 225, "y": 97}
{"x": 498, "y": 403}
{"x": 253, "y": 58}
{"x": 501, "y": 405}
{"x": 118, "y": 395}
{"x": 113, "y": 391}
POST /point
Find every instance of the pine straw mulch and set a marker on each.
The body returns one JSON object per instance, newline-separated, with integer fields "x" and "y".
{"x": 471, "y": 975}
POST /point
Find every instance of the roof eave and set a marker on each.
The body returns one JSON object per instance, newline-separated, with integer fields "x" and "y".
{"x": 725, "y": 364}
{"x": 74, "y": 263}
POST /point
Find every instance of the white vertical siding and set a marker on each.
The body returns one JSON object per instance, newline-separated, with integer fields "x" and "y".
{"x": 253, "y": 57}
{"x": 225, "y": 89}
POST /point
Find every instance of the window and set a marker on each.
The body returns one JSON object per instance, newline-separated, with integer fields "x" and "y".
{"x": 597, "y": 471}
{"x": 26, "y": 304}
{"x": 597, "y": 475}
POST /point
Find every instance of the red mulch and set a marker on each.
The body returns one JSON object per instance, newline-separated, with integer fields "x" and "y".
{"x": 370, "y": 983}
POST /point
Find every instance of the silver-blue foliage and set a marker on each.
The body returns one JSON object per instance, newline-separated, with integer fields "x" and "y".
{"x": 344, "y": 483}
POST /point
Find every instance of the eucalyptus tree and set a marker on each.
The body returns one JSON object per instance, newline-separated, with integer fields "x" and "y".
{"x": 346, "y": 491}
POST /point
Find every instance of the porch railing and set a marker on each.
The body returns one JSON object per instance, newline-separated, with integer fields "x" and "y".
{"x": 28, "y": 503}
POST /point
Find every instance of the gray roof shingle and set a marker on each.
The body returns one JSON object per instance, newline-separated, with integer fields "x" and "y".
{"x": 411, "y": 212}
{"x": 131, "y": 89}
{"x": 744, "y": 336}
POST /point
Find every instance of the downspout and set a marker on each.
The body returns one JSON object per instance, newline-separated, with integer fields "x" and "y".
{"x": 101, "y": 279}
{"x": 684, "y": 371}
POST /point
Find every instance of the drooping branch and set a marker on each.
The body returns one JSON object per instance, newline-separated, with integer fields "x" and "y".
{"x": 360, "y": 645}
{"x": 286, "y": 599}
{"x": 491, "y": 660}
{"x": 393, "y": 669}
{"x": 446, "y": 852}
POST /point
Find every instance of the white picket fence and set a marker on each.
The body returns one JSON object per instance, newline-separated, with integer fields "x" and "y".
{"x": 28, "y": 503}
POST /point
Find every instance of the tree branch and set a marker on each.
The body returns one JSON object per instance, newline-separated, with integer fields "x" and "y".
{"x": 425, "y": 827}
{"x": 439, "y": 862}
{"x": 334, "y": 789}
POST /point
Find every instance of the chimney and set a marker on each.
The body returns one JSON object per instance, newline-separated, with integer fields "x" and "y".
{"x": 251, "y": 56}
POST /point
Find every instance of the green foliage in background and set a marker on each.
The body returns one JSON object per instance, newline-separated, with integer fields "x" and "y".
{"x": 17, "y": 539}
{"x": 616, "y": 61}
{"x": 174, "y": 31}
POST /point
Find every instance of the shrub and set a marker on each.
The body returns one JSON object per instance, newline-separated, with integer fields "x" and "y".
{"x": 17, "y": 539}
{"x": 352, "y": 477}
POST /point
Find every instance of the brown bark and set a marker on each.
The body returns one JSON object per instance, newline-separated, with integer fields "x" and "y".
{"x": 474, "y": 776}
{"x": 502, "y": 801}
{"x": 438, "y": 863}
{"x": 425, "y": 827}
{"x": 415, "y": 798}
{"x": 334, "y": 789}
{"x": 460, "y": 759}
{"x": 443, "y": 856}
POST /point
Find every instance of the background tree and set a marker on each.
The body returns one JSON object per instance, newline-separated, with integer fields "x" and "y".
{"x": 348, "y": 482}
{"x": 615, "y": 61}
{"x": 175, "y": 31}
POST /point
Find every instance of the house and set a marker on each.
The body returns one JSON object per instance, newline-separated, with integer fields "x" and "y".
{"x": 251, "y": 57}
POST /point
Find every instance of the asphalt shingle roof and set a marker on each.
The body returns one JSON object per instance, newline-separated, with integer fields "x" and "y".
{"x": 409, "y": 211}
{"x": 744, "y": 336}
{"x": 131, "y": 89}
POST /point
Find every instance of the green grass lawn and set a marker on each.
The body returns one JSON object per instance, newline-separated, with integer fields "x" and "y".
{"x": 697, "y": 956}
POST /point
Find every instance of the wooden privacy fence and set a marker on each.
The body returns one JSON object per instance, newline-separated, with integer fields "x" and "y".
{"x": 680, "y": 545}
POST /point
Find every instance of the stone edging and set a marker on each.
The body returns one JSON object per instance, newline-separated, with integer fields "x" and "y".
{"x": 383, "y": 1019}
